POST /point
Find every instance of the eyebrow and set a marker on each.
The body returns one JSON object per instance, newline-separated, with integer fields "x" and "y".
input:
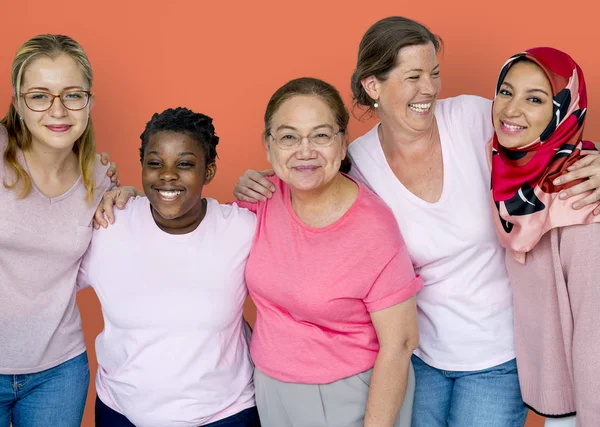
{"x": 325, "y": 125}
{"x": 184, "y": 153}
{"x": 421, "y": 70}
{"x": 48, "y": 90}
{"x": 528, "y": 90}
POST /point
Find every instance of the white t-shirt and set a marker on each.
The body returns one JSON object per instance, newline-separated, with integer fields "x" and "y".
{"x": 465, "y": 308}
{"x": 174, "y": 349}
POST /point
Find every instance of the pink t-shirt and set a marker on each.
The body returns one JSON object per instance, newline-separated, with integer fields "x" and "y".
{"x": 174, "y": 349}
{"x": 42, "y": 240}
{"x": 314, "y": 288}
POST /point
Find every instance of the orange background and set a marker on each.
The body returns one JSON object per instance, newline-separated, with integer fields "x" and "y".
{"x": 225, "y": 59}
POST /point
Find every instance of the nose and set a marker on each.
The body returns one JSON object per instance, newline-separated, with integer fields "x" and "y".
{"x": 427, "y": 86}
{"x": 512, "y": 108}
{"x": 168, "y": 174}
{"x": 306, "y": 150}
{"x": 57, "y": 109}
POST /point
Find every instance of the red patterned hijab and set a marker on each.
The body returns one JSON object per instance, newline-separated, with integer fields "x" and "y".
{"x": 522, "y": 189}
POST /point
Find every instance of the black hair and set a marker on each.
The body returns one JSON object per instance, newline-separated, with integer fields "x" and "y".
{"x": 182, "y": 120}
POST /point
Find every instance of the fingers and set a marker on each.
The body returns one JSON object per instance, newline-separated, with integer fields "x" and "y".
{"x": 248, "y": 195}
{"x": 99, "y": 220}
{"x": 104, "y": 158}
{"x": 260, "y": 179}
{"x": 268, "y": 172}
{"x": 112, "y": 172}
{"x": 123, "y": 196}
{"x": 586, "y": 160}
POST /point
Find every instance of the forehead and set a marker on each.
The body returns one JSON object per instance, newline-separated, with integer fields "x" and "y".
{"x": 527, "y": 73}
{"x": 417, "y": 57}
{"x": 173, "y": 143}
{"x": 304, "y": 111}
{"x": 53, "y": 73}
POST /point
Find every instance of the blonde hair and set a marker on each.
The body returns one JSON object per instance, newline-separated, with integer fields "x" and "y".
{"x": 19, "y": 137}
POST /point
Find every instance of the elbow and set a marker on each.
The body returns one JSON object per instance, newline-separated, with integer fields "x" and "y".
{"x": 411, "y": 343}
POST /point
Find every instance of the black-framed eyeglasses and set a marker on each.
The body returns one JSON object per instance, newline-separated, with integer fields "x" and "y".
{"x": 74, "y": 100}
{"x": 319, "y": 139}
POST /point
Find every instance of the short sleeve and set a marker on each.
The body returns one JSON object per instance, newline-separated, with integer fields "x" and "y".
{"x": 396, "y": 283}
{"x": 251, "y": 206}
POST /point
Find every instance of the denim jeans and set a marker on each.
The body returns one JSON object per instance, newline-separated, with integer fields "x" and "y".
{"x": 51, "y": 398}
{"x": 107, "y": 417}
{"x": 487, "y": 398}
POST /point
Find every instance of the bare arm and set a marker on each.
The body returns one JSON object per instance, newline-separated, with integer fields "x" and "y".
{"x": 398, "y": 335}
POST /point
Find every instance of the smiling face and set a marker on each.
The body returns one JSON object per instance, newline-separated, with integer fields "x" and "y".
{"x": 523, "y": 105}
{"x": 56, "y": 128}
{"x": 407, "y": 97}
{"x": 305, "y": 167}
{"x": 174, "y": 171}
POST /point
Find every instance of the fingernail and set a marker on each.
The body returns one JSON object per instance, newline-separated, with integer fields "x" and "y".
{"x": 562, "y": 195}
{"x": 272, "y": 189}
{"x": 576, "y": 205}
{"x": 556, "y": 181}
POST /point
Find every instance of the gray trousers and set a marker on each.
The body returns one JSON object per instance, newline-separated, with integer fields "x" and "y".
{"x": 338, "y": 404}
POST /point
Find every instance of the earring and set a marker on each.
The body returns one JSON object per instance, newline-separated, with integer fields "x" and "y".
{"x": 20, "y": 117}
{"x": 375, "y": 105}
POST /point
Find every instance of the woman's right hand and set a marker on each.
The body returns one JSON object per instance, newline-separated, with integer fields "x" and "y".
{"x": 253, "y": 186}
{"x": 119, "y": 196}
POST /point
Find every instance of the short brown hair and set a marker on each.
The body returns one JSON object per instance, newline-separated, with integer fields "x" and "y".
{"x": 378, "y": 51}
{"x": 311, "y": 87}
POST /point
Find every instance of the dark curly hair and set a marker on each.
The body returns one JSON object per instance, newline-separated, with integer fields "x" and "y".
{"x": 182, "y": 120}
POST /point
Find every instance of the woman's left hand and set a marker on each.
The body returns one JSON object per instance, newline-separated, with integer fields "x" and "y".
{"x": 113, "y": 172}
{"x": 586, "y": 167}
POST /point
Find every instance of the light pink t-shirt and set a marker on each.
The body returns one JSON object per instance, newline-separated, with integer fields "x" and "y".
{"x": 314, "y": 288}
{"x": 174, "y": 349}
{"x": 465, "y": 307}
{"x": 42, "y": 241}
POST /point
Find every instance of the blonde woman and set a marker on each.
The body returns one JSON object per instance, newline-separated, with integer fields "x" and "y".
{"x": 51, "y": 181}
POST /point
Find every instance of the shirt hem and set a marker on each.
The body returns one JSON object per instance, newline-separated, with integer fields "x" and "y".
{"x": 466, "y": 368}
{"x": 41, "y": 368}
{"x": 313, "y": 380}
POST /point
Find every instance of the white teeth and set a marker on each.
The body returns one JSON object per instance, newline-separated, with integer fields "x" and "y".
{"x": 514, "y": 127}
{"x": 169, "y": 194}
{"x": 421, "y": 108}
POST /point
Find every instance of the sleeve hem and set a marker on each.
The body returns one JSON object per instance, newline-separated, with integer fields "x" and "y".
{"x": 402, "y": 295}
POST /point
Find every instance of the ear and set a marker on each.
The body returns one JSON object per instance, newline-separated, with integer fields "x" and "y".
{"x": 92, "y": 101}
{"x": 372, "y": 86}
{"x": 211, "y": 171}
{"x": 267, "y": 145}
{"x": 15, "y": 104}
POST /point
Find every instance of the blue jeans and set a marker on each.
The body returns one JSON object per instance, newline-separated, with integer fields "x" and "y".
{"x": 487, "y": 398}
{"x": 107, "y": 417}
{"x": 54, "y": 397}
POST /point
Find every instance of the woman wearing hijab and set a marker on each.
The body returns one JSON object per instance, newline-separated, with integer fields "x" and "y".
{"x": 539, "y": 115}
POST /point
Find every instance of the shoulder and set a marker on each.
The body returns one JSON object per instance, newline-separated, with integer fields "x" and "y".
{"x": 467, "y": 114}
{"x": 231, "y": 218}
{"x": 377, "y": 220}
{"x": 134, "y": 210}
{"x": 364, "y": 142}
{"x": 465, "y": 106}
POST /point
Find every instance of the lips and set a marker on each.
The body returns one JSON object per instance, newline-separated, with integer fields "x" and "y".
{"x": 58, "y": 128}
{"x": 169, "y": 195}
{"x": 421, "y": 107}
{"x": 511, "y": 128}
{"x": 307, "y": 168}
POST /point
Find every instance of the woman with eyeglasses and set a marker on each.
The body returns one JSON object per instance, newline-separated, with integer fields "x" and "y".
{"x": 52, "y": 181}
{"x": 336, "y": 314}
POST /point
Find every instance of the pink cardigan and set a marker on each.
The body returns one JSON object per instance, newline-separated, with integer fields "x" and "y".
{"x": 557, "y": 323}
